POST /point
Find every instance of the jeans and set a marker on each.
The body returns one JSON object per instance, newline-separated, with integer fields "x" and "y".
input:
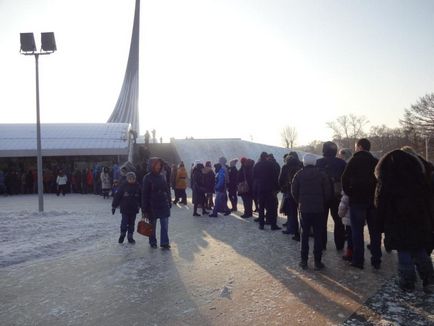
{"x": 339, "y": 229}
{"x": 308, "y": 221}
{"x": 164, "y": 231}
{"x": 408, "y": 259}
{"x": 360, "y": 213}
{"x": 127, "y": 224}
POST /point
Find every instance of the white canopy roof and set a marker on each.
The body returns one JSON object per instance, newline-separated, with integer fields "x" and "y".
{"x": 65, "y": 139}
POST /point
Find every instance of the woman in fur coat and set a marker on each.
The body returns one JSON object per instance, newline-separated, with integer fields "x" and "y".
{"x": 403, "y": 206}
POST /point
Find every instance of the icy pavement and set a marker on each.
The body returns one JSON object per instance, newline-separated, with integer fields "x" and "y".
{"x": 65, "y": 267}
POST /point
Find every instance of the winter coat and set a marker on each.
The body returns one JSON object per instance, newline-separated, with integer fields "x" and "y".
{"x": 344, "y": 209}
{"x": 402, "y": 199}
{"x": 156, "y": 201}
{"x": 181, "y": 178}
{"x": 246, "y": 173}
{"x": 128, "y": 197}
{"x": 358, "y": 180}
{"x": 287, "y": 173}
{"x": 209, "y": 180}
{"x": 198, "y": 185}
{"x": 264, "y": 177}
{"x": 105, "y": 181}
{"x": 220, "y": 181}
{"x": 310, "y": 189}
{"x": 333, "y": 167}
{"x": 233, "y": 179}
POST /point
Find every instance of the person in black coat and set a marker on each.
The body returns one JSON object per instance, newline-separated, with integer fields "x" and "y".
{"x": 311, "y": 190}
{"x": 289, "y": 169}
{"x": 358, "y": 182}
{"x": 333, "y": 167}
{"x": 245, "y": 173}
{"x": 209, "y": 181}
{"x": 198, "y": 189}
{"x": 232, "y": 185}
{"x": 403, "y": 199}
{"x": 128, "y": 197}
{"x": 156, "y": 202}
{"x": 266, "y": 184}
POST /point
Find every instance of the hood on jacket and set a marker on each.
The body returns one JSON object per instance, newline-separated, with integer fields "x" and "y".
{"x": 152, "y": 162}
{"x": 233, "y": 162}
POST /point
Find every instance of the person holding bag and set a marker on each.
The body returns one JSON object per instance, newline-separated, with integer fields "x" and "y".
{"x": 156, "y": 202}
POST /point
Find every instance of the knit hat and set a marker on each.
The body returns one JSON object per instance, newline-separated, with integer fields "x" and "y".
{"x": 223, "y": 160}
{"x": 309, "y": 159}
{"x": 233, "y": 162}
{"x": 131, "y": 175}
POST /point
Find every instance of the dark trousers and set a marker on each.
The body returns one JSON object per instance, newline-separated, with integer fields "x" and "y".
{"x": 61, "y": 189}
{"x": 291, "y": 211}
{"x": 308, "y": 221}
{"x": 272, "y": 209}
{"x": 339, "y": 228}
{"x": 247, "y": 203}
{"x": 265, "y": 201}
{"x": 127, "y": 224}
{"x": 408, "y": 260}
{"x": 180, "y": 194}
{"x": 233, "y": 198}
{"x": 360, "y": 213}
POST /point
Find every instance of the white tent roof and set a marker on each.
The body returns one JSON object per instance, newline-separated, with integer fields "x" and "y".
{"x": 64, "y": 139}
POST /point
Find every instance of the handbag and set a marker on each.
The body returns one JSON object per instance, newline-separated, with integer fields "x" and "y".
{"x": 243, "y": 186}
{"x": 144, "y": 227}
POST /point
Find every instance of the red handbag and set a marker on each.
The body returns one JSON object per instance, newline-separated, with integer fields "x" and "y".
{"x": 145, "y": 228}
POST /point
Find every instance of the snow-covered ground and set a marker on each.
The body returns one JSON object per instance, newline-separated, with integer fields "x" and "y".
{"x": 65, "y": 267}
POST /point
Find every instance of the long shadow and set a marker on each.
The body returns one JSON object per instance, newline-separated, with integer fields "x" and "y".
{"x": 331, "y": 292}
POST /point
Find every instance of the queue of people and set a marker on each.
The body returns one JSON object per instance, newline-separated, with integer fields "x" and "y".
{"x": 393, "y": 196}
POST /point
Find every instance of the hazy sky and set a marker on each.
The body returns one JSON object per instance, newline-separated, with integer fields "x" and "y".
{"x": 222, "y": 68}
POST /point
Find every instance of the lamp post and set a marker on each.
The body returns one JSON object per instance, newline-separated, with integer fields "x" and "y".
{"x": 28, "y": 47}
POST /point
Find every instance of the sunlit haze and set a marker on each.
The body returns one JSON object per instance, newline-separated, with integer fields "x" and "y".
{"x": 227, "y": 68}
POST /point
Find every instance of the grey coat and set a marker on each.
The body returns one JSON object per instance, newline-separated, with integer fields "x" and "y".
{"x": 311, "y": 189}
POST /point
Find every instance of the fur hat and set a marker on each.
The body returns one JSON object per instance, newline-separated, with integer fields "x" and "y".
{"x": 309, "y": 159}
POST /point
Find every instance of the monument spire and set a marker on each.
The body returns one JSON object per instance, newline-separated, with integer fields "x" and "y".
{"x": 127, "y": 106}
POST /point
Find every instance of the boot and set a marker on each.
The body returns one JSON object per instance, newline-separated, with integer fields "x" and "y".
{"x": 319, "y": 265}
{"x": 131, "y": 240}
{"x": 121, "y": 238}
{"x": 348, "y": 255}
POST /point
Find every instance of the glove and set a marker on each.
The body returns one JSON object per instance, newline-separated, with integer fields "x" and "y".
{"x": 113, "y": 210}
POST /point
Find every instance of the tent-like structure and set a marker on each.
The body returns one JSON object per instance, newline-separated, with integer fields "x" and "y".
{"x": 65, "y": 139}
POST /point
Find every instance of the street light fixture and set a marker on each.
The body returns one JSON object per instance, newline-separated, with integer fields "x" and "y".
{"x": 28, "y": 47}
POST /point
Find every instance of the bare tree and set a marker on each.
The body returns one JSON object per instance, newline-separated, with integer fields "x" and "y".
{"x": 289, "y": 136}
{"x": 420, "y": 117}
{"x": 347, "y": 129}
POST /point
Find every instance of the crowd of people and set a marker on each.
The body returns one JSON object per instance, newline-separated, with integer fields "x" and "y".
{"x": 394, "y": 196}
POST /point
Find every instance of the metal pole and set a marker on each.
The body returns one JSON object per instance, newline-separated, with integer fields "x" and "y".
{"x": 38, "y": 140}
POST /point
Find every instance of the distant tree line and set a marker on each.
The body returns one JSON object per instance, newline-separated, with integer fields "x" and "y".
{"x": 416, "y": 128}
